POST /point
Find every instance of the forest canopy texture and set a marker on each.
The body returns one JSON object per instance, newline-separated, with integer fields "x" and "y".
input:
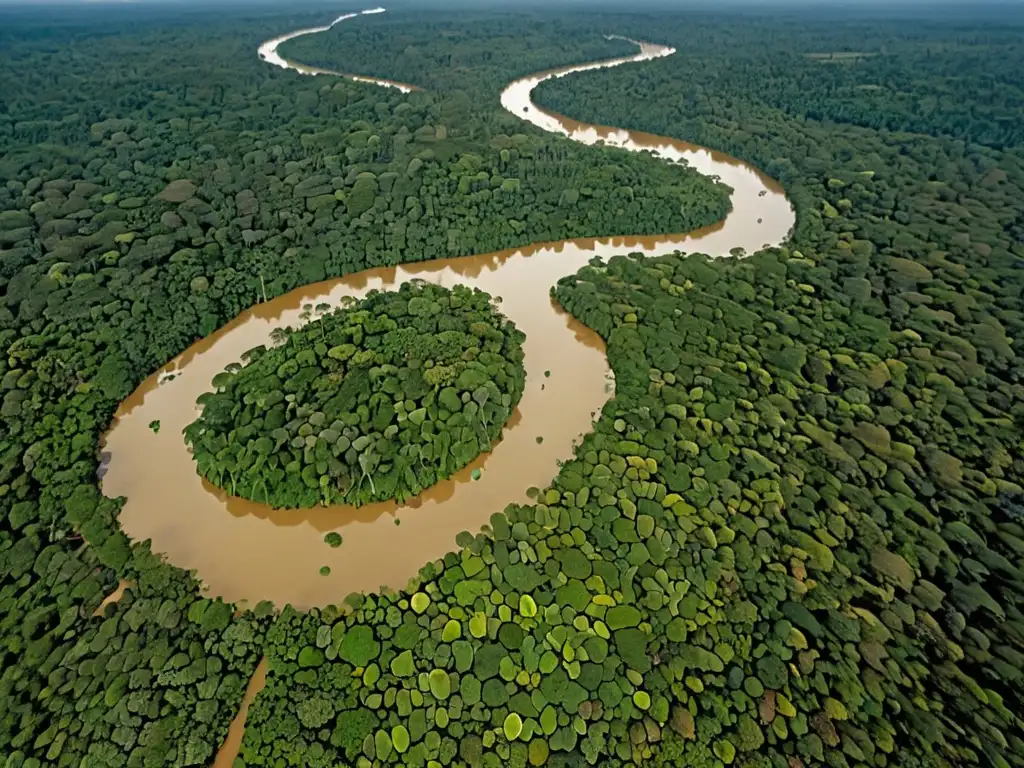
{"x": 793, "y": 537}
{"x": 371, "y": 402}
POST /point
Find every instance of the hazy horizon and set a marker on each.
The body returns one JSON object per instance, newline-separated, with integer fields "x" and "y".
{"x": 577, "y": 4}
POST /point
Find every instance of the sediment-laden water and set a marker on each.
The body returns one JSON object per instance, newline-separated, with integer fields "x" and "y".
{"x": 245, "y": 551}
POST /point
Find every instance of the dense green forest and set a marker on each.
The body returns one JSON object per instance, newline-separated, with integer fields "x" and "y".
{"x": 893, "y": 409}
{"x": 792, "y": 538}
{"x": 371, "y": 402}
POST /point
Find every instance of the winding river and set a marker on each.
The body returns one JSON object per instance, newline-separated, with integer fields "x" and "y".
{"x": 247, "y": 552}
{"x": 268, "y": 52}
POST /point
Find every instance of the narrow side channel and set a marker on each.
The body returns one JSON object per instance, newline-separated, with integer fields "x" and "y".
{"x": 114, "y": 596}
{"x": 233, "y": 743}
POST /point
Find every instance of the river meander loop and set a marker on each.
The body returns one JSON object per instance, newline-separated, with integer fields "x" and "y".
{"x": 245, "y": 551}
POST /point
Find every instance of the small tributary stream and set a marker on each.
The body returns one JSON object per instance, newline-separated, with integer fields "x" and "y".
{"x": 245, "y": 551}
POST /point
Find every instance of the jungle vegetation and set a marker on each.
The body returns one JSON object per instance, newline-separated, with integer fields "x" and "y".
{"x": 793, "y": 537}
{"x": 885, "y": 380}
{"x": 370, "y": 402}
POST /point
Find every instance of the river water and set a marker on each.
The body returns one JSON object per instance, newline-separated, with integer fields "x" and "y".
{"x": 236, "y": 731}
{"x": 268, "y": 52}
{"x": 246, "y": 552}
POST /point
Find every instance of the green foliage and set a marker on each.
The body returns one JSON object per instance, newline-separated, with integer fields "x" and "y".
{"x": 370, "y": 402}
{"x": 440, "y": 684}
{"x": 315, "y": 712}
{"x": 513, "y": 726}
{"x": 358, "y": 646}
{"x": 351, "y": 729}
{"x": 806, "y": 487}
{"x": 403, "y": 665}
{"x": 847, "y": 503}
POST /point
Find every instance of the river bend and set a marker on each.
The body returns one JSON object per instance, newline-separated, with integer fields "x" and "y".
{"x": 247, "y": 552}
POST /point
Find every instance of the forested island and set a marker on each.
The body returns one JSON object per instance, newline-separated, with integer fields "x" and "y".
{"x": 371, "y": 402}
{"x": 793, "y": 536}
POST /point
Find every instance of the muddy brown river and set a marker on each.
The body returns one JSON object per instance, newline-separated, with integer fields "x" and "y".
{"x": 246, "y": 552}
